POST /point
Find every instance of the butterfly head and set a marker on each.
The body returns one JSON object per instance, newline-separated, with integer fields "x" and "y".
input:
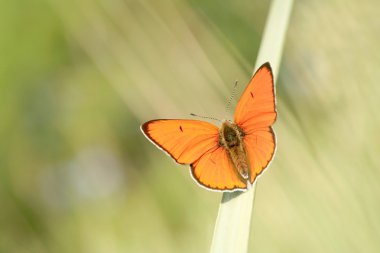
{"x": 230, "y": 134}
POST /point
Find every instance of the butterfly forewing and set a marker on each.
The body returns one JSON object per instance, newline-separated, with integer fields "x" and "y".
{"x": 257, "y": 106}
{"x": 184, "y": 140}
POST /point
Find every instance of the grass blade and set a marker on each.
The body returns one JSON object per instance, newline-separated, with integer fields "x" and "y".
{"x": 232, "y": 226}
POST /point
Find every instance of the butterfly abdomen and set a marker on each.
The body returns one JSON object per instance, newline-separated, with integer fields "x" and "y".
{"x": 230, "y": 137}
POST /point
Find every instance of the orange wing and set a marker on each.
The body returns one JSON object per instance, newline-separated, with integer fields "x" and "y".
{"x": 257, "y": 107}
{"x": 215, "y": 171}
{"x": 254, "y": 114}
{"x": 184, "y": 140}
{"x": 197, "y": 143}
{"x": 260, "y": 146}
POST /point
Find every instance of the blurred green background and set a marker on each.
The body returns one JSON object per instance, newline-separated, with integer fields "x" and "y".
{"x": 77, "y": 78}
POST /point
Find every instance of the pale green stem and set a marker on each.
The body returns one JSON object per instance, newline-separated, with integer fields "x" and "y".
{"x": 232, "y": 226}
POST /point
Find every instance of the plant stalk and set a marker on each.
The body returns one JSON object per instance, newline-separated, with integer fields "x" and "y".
{"x": 231, "y": 233}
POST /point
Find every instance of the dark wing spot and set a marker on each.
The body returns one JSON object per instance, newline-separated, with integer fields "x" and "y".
{"x": 180, "y": 128}
{"x": 252, "y": 95}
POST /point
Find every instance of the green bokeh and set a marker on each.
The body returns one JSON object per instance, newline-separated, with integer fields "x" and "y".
{"x": 77, "y": 78}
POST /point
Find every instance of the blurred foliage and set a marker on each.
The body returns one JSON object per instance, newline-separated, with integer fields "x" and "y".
{"x": 77, "y": 78}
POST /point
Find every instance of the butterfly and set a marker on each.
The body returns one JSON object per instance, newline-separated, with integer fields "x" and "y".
{"x": 231, "y": 157}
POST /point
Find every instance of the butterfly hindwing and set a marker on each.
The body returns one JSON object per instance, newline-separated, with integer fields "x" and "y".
{"x": 260, "y": 147}
{"x": 214, "y": 170}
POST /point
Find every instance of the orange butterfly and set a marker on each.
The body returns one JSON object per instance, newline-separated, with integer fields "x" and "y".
{"x": 229, "y": 158}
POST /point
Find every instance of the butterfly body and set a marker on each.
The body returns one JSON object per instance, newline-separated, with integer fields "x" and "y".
{"x": 231, "y": 157}
{"x": 231, "y": 138}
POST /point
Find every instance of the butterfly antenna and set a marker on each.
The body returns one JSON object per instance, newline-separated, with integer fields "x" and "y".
{"x": 205, "y": 117}
{"x": 231, "y": 97}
